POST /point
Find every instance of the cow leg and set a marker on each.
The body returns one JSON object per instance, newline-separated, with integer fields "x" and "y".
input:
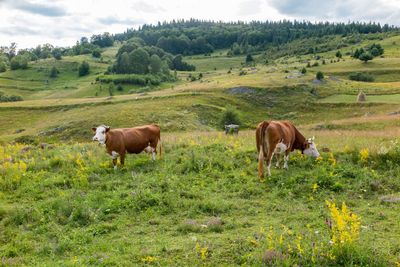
{"x": 268, "y": 161}
{"x": 278, "y": 160}
{"x": 285, "y": 165}
{"x": 153, "y": 154}
{"x": 122, "y": 159}
{"x": 114, "y": 156}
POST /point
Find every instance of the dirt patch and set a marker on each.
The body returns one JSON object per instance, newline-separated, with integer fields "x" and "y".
{"x": 241, "y": 90}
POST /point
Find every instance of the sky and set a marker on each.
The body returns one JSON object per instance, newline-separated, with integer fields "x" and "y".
{"x": 63, "y": 22}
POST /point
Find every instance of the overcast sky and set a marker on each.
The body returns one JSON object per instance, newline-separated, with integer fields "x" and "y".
{"x": 62, "y": 22}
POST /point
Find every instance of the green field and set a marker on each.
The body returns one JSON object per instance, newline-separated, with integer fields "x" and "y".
{"x": 202, "y": 204}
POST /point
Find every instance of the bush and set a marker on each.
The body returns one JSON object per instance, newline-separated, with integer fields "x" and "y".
{"x": 303, "y": 70}
{"x": 83, "y": 68}
{"x": 19, "y": 62}
{"x": 136, "y": 79}
{"x": 319, "y": 75}
{"x": 53, "y": 72}
{"x": 9, "y": 98}
{"x": 230, "y": 116}
{"x": 3, "y": 67}
{"x": 96, "y": 53}
{"x": 364, "y": 77}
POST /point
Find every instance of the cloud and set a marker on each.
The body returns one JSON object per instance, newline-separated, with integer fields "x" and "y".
{"x": 338, "y": 10}
{"x": 110, "y": 20}
{"x": 144, "y": 7}
{"x": 23, "y": 31}
{"x": 47, "y": 10}
{"x": 249, "y": 7}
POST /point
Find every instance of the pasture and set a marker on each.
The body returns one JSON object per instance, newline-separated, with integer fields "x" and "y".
{"x": 201, "y": 204}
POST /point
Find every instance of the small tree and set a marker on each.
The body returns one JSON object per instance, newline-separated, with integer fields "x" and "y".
{"x": 319, "y": 75}
{"x": 230, "y": 116}
{"x": 120, "y": 88}
{"x": 365, "y": 57}
{"x": 303, "y": 70}
{"x": 249, "y": 59}
{"x": 83, "y": 68}
{"x": 111, "y": 88}
{"x": 57, "y": 53}
{"x": 338, "y": 54}
{"x": 96, "y": 53}
{"x": 53, "y": 72}
{"x": 3, "y": 67}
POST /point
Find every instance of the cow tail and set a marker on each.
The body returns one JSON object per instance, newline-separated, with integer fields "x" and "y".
{"x": 260, "y": 143}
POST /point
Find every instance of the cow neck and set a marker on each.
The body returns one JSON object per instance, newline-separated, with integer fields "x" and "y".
{"x": 299, "y": 140}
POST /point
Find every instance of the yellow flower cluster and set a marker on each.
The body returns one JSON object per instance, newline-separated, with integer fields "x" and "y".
{"x": 148, "y": 259}
{"x": 345, "y": 228}
{"x": 364, "y": 154}
{"x": 11, "y": 168}
{"x": 202, "y": 251}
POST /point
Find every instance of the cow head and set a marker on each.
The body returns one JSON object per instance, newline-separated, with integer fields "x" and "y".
{"x": 100, "y": 133}
{"x": 310, "y": 149}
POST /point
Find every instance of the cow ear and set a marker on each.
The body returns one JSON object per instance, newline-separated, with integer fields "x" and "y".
{"x": 94, "y": 129}
{"x": 306, "y": 145}
{"x": 107, "y": 128}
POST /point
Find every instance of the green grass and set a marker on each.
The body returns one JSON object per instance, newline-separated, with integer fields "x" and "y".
{"x": 70, "y": 208}
{"x": 387, "y": 98}
{"x": 202, "y": 204}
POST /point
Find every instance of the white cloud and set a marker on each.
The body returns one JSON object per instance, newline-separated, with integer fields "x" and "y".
{"x": 62, "y": 22}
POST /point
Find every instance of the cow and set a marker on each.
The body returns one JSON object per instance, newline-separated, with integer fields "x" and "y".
{"x": 134, "y": 140}
{"x": 280, "y": 137}
{"x": 232, "y": 128}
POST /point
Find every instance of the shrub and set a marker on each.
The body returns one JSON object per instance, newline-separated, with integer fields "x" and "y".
{"x": 358, "y": 76}
{"x": 3, "y": 67}
{"x": 83, "y": 68}
{"x": 229, "y": 116}
{"x": 53, "y": 72}
{"x": 319, "y": 75}
{"x": 96, "y": 53}
{"x": 303, "y": 70}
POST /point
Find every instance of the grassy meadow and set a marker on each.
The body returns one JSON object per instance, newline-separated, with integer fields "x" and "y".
{"x": 202, "y": 204}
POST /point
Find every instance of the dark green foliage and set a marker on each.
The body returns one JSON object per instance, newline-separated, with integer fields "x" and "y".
{"x": 9, "y": 98}
{"x": 83, "y": 69}
{"x": 3, "y": 66}
{"x": 359, "y": 76}
{"x": 178, "y": 64}
{"x": 338, "y": 54}
{"x": 120, "y": 88}
{"x": 102, "y": 40}
{"x": 53, "y": 72}
{"x": 366, "y": 56}
{"x": 249, "y": 59}
{"x": 136, "y": 79}
{"x": 57, "y": 54}
{"x": 155, "y": 64}
{"x": 200, "y": 37}
{"x": 19, "y": 62}
{"x": 96, "y": 53}
{"x": 229, "y": 116}
{"x": 303, "y": 70}
{"x": 111, "y": 89}
{"x": 319, "y": 75}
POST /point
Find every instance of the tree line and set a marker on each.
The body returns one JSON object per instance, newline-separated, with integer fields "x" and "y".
{"x": 189, "y": 37}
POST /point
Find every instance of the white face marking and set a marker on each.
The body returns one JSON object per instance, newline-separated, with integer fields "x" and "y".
{"x": 280, "y": 148}
{"x": 100, "y": 135}
{"x": 311, "y": 150}
{"x": 114, "y": 155}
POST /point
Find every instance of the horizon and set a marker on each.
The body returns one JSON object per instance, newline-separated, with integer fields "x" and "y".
{"x": 61, "y": 23}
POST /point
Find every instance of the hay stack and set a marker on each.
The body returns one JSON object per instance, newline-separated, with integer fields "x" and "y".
{"x": 361, "y": 97}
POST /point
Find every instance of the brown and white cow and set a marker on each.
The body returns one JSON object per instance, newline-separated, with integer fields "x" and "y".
{"x": 280, "y": 137}
{"x": 134, "y": 140}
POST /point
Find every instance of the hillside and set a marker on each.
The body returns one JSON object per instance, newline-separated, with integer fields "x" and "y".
{"x": 202, "y": 203}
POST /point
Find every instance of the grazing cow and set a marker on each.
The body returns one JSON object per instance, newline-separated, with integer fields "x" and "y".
{"x": 232, "y": 128}
{"x": 280, "y": 137}
{"x": 120, "y": 141}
